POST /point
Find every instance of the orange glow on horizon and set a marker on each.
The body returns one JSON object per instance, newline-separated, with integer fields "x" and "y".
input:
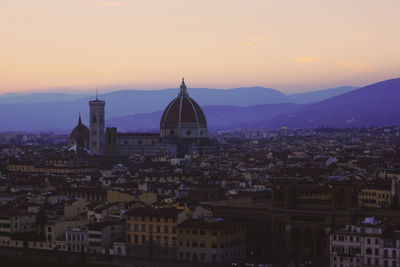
{"x": 288, "y": 45}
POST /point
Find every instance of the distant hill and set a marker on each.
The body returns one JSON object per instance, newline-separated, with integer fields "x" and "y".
{"x": 53, "y": 111}
{"x": 11, "y": 98}
{"x": 373, "y": 105}
{"x": 315, "y": 96}
{"x": 218, "y": 117}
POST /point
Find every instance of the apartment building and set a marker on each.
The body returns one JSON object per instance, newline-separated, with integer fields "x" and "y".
{"x": 367, "y": 244}
{"x": 211, "y": 240}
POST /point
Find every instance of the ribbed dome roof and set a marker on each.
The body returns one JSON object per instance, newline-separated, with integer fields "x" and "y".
{"x": 182, "y": 109}
{"x": 80, "y": 130}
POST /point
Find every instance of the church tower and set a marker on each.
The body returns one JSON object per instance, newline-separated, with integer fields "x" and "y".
{"x": 97, "y": 135}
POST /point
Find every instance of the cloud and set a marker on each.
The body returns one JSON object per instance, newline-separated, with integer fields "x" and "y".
{"x": 308, "y": 59}
{"x": 107, "y": 4}
{"x": 356, "y": 66}
{"x": 252, "y": 41}
{"x": 256, "y": 39}
{"x": 13, "y": 79}
{"x": 247, "y": 44}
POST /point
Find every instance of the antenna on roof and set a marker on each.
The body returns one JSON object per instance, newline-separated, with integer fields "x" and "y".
{"x": 96, "y": 94}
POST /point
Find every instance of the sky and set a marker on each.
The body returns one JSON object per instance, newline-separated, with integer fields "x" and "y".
{"x": 293, "y": 46}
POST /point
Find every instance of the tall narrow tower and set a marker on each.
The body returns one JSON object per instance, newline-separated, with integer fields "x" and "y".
{"x": 97, "y": 135}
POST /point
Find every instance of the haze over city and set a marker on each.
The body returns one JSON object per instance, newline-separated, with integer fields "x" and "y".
{"x": 294, "y": 46}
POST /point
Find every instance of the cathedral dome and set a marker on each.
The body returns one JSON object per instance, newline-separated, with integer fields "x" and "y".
{"x": 80, "y": 131}
{"x": 79, "y": 138}
{"x": 183, "y": 117}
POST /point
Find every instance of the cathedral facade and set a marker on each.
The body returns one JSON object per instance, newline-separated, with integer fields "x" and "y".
{"x": 183, "y": 130}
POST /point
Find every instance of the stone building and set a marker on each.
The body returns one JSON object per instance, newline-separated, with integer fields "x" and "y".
{"x": 79, "y": 138}
{"x": 152, "y": 232}
{"x": 211, "y": 240}
{"x": 183, "y": 130}
{"x": 97, "y": 134}
{"x": 366, "y": 244}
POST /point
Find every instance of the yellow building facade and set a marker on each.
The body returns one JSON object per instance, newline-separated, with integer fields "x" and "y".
{"x": 153, "y": 228}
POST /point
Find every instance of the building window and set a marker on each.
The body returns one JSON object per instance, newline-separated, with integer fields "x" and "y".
{"x": 166, "y": 229}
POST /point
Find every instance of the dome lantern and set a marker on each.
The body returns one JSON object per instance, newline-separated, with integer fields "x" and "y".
{"x": 183, "y": 90}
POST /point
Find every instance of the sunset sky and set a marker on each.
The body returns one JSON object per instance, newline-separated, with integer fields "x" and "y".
{"x": 293, "y": 46}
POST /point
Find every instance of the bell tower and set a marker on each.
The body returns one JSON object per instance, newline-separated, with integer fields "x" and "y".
{"x": 97, "y": 134}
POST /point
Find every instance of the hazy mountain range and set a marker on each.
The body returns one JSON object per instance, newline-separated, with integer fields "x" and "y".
{"x": 251, "y": 107}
